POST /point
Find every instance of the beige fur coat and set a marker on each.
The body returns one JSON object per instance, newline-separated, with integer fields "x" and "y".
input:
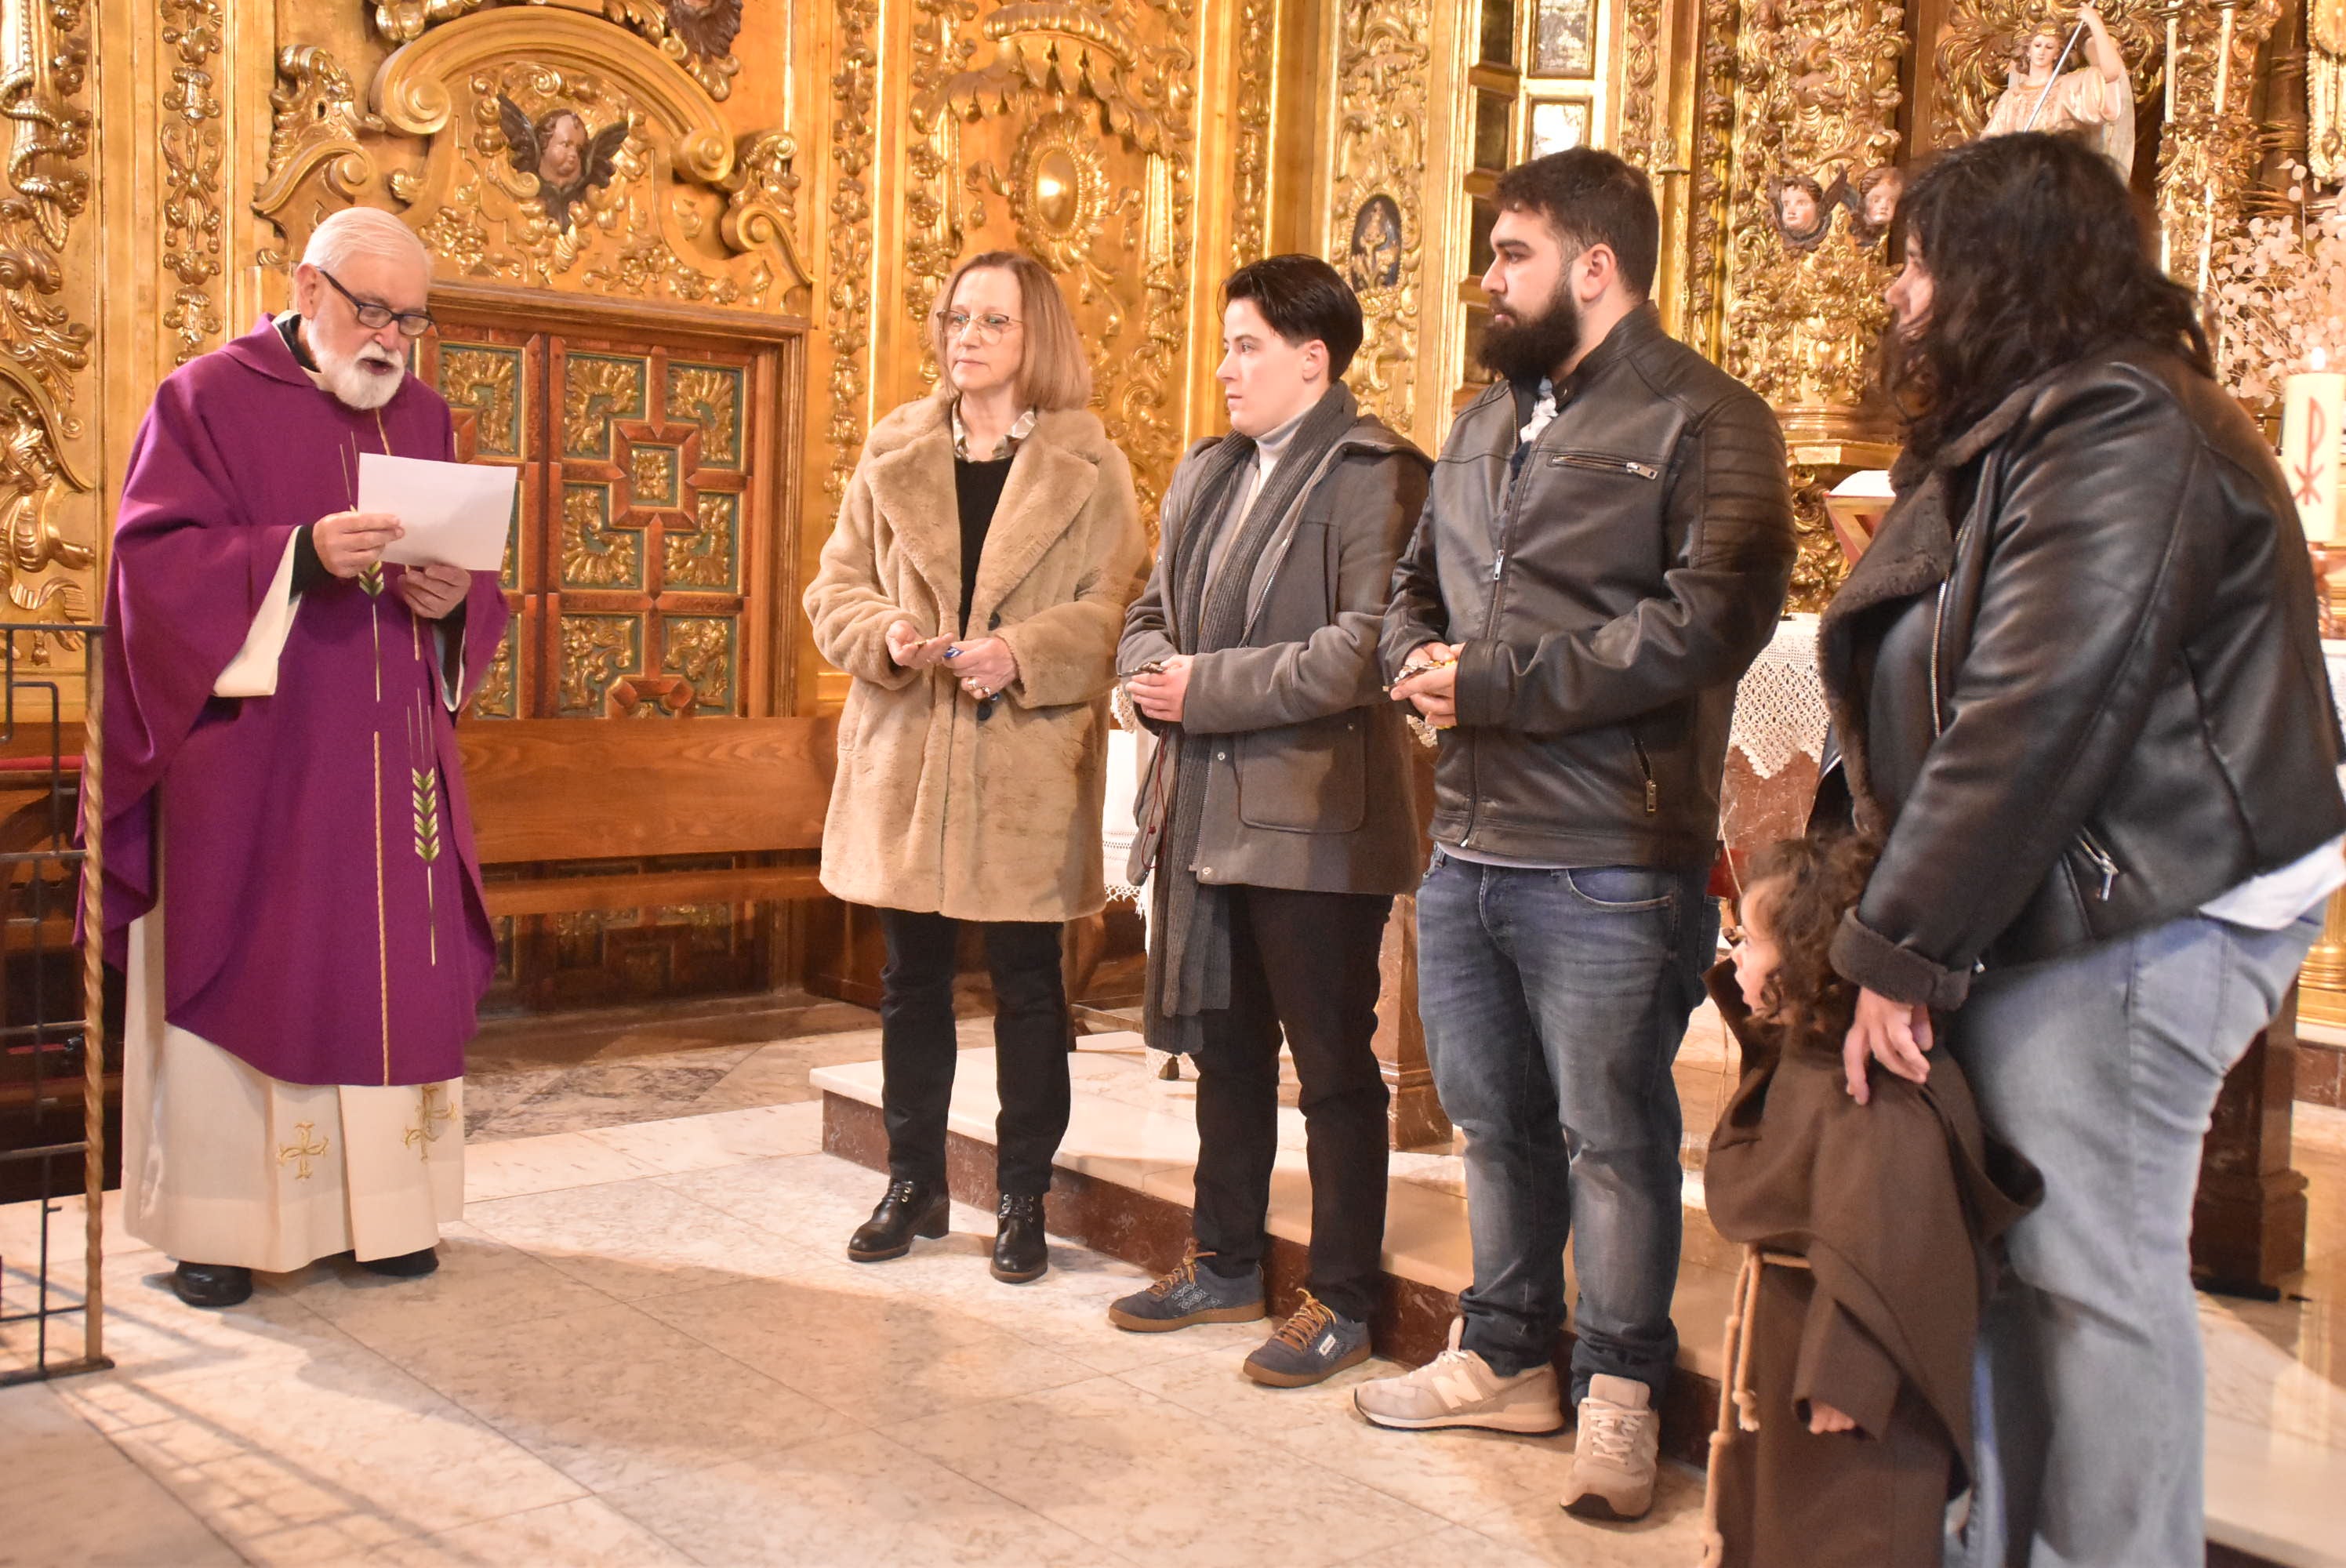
{"x": 982, "y": 812}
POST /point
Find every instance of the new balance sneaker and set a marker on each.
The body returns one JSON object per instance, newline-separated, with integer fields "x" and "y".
{"x": 1314, "y": 1344}
{"x": 1458, "y": 1389}
{"x": 1613, "y": 1460}
{"x": 1189, "y": 1295}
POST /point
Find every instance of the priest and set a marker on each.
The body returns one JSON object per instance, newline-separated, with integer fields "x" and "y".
{"x": 290, "y": 876}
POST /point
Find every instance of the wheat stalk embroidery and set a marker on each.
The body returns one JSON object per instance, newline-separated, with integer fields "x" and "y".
{"x": 427, "y": 843}
{"x": 370, "y": 579}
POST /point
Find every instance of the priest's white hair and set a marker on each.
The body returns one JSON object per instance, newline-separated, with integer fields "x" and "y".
{"x": 363, "y": 231}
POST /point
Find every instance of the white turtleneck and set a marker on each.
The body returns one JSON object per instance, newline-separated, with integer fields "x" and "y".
{"x": 1268, "y": 450}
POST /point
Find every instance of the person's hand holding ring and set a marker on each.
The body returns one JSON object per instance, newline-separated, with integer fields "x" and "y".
{"x": 984, "y": 666}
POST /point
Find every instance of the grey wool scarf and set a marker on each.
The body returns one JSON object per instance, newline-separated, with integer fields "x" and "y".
{"x": 1189, "y": 922}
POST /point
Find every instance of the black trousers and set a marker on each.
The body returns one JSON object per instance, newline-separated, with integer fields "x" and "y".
{"x": 1305, "y": 961}
{"x": 1032, "y": 1036}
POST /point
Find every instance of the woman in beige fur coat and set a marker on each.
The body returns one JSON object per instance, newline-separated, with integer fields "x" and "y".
{"x": 974, "y": 588}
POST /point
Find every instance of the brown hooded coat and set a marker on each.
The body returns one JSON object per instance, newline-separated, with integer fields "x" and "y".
{"x": 1894, "y": 1206}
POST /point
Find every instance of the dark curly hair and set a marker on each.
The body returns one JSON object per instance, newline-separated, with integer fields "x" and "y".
{"x": 1797, "y": 890}
{"x": 2036, "y": 261}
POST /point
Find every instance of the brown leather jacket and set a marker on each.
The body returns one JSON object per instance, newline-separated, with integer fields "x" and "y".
{"x": 1607, "y": 586}
{"x": 2077, "y": 679}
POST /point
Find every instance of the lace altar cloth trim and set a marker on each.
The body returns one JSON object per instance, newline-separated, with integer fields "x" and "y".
{"x": 1779, "y": 708}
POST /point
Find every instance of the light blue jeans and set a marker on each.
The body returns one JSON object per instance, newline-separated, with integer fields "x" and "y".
{"x": 1554, "y": 1003}
{"x": 2103, "y": 1069}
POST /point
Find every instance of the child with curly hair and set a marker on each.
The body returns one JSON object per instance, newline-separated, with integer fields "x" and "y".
{"x": 1868, "y": 1227}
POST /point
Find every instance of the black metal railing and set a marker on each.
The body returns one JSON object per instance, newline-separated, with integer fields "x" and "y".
{"x": 54, "y": 1062}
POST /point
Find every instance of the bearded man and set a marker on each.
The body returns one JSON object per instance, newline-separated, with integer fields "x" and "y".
{"x": 1604, "y": 552}
{"x": 290, "y": 880}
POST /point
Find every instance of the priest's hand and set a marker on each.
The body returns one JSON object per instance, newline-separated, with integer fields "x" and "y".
{"x": 984, "y": 666}
{"x": 913, "y": 651}
{"x": 1894, "y": 1033}
{"x": 1429, "y": 683}
{"x": 348, "y": 543}
{"x": 432, "y": 591}
{"x": 1163, "y": 694}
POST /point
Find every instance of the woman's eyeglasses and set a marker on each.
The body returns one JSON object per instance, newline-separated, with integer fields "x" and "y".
{"x": 375, "y": 317}
{"x": 990, "y": 326}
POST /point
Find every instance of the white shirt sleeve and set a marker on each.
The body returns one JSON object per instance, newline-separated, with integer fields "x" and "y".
{"x": 253, "y": 671}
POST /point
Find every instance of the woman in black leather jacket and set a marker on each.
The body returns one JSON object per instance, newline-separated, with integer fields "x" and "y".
{"x": 2078, "y": 686}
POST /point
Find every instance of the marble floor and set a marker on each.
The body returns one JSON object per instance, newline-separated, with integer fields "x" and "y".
{"x": 645, "y": 1347}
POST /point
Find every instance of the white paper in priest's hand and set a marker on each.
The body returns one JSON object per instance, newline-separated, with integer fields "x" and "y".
{"x": 455, "y": 514}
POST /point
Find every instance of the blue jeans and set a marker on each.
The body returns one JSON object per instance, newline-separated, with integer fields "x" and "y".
{"x": 1554, "y": 1003}
{"x": 2103, "y": 1068}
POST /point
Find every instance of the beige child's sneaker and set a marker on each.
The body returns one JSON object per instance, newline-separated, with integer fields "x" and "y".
{"x": 1613, "y": 1460}
{"x": 1458, "y": 1389}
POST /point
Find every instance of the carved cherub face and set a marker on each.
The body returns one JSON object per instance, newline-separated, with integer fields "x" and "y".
{"x": 1881, "y": 198}
{"x": 562, "y": 160}
{"x": 1797, "y": 204}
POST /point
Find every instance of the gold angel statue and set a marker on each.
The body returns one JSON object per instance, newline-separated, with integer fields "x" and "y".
{"x": 2071, "y": 80}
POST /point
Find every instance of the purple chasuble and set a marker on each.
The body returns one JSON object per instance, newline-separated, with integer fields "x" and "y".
{"x": 325, "y": 920}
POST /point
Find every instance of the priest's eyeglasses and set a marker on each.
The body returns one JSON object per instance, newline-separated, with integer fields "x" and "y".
{"x": 990, "y": 326}
{"x": 374, "y": 316}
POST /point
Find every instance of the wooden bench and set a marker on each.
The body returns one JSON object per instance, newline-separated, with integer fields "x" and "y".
{"x": 549, "y": 791}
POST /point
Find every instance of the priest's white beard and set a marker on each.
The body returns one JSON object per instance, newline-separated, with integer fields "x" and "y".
{"x": 352, "y": 379}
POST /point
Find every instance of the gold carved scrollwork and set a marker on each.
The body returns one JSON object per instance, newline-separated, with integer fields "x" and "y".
{"x": 1250, "y": 163}
{"x": 848, "y": 292}
{"x": 1381, "y": 74}
{"x": 43, "y": 349}
{"x": 404, "y": 21}
{"x": 1980, "y": 46}
{"x": 596, "y": 651}
{"x": 710, "y": 399}
{"x": 1818, "y": 100}
{"x": 1710, "y": 167}
{"x": 703, "y": 557}
{"x": 696, "y": 34}
{"x": 934, "y": 216}
{"x": 594, "y": 553}
{"x": 318, "y": 129}
{"x": 670, "y": 204}
{"x": 1643, "y": 138}
{"x": 1060, "y": 191}
{"x": 700, "y": 651}
{"x": 192, "y": 152}
{"x": 487, "y": 382}
{"x": 1099, "y": 97}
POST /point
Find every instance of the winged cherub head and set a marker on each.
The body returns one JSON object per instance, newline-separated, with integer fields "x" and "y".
{"x": 568, "y": 158}
{"x": 707, "y": 27}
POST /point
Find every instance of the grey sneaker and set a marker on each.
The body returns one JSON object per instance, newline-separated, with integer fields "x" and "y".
{"x": 1313, "y": 1345}
{"x": 1613, "y": 1460}
{"x": 1187, "y": 1296}
{"x": 1458, "y": 1389}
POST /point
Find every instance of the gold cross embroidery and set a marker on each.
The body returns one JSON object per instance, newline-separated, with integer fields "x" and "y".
{"x": 423, "y": 1135}
{"x": 306, "y": 1146}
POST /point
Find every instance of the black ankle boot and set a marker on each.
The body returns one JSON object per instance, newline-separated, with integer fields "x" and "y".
{"x": 405, "y": 1266}
{"x": 211, "y": 1284}
{"x": 908, "y": 1209}
{"x": 1020, "y": 1253}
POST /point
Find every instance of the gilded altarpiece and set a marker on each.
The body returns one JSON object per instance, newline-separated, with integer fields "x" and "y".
{"x": 618, "y": 293}
{"x": 1064, "y": 129}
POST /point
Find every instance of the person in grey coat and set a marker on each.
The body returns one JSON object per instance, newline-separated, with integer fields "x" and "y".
{"x": 1278, "y": 816}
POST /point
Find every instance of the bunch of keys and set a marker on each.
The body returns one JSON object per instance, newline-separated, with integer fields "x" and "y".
{"x": 1416, "y": 667}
